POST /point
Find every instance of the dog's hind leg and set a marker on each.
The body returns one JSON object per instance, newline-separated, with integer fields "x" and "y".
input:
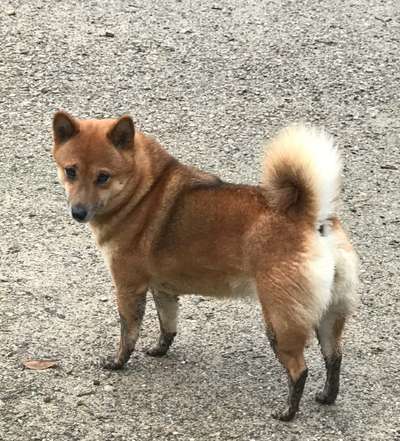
{"x": 289, "y": 345}
{"x": 329, "y": 335}
{"x": 330, "y": 328}
{"x": 288, "y": 339}
{"x": 167, "y": 310}
{"x": 344, "y": 299}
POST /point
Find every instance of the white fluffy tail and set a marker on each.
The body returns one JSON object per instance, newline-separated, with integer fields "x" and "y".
{"x": 301, "y": 173}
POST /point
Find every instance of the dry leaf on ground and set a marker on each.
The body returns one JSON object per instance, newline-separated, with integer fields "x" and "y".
{"x": 39, "y": 365}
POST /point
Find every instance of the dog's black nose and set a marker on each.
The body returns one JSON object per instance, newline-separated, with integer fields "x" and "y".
{"x": 79, "y": 213}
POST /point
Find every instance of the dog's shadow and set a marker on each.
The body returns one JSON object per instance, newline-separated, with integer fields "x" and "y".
{"x": 234, "y": 372}
{"x": 235, "y": 379}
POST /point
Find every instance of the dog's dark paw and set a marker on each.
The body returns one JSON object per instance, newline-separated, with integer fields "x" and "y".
{"x": 110, "y": 364}
{"x": 324, "y": 398}
{"x": 157, "y": 351}
{"x": 284, "y": 415}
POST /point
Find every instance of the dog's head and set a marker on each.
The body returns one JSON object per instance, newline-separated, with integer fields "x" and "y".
{"x": 95, "y": 162}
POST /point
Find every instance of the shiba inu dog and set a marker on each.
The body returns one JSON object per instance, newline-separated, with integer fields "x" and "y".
{"x": 172, "y": 229}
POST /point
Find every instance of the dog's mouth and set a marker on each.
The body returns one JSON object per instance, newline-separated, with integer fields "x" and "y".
{"x": 82, "y": 221}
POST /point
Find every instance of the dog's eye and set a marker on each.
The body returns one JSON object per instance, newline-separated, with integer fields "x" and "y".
{"x": 70, "y": 172}
{"x": 102, "y": 178}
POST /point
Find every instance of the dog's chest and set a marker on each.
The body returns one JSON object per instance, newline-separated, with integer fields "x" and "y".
{"x": 107, "y": 251}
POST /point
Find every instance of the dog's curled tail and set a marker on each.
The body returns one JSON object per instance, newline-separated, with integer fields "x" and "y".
{"x": 301, "y": 173}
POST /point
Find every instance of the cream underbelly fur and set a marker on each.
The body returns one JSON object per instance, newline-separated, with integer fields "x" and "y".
{"x": 231, "y": 287}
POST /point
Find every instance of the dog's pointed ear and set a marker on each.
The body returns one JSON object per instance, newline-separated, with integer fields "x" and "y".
{"x": 64, "y": 127}
{"x": 122, "y": 133}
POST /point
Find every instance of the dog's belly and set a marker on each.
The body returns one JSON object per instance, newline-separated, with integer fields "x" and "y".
{"x": 207, "y": 286}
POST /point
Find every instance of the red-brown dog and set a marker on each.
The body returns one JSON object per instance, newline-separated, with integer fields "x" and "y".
{"x": 174, "y": 230}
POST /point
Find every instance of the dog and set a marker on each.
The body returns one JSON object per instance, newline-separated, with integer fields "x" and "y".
{"x": 173, "y": 229}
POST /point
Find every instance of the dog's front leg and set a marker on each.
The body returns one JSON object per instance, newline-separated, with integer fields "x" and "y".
{"x": 131, "y": 307}
{"x": 167, "y": 310}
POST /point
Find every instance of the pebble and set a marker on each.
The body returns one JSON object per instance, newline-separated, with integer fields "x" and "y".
{"x": 85, "y": 392}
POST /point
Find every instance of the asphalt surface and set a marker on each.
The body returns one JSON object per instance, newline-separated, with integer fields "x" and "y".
{"x": 211, "y": 80}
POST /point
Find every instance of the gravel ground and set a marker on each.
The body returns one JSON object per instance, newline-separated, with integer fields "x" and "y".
{"x": 211, "y": 80}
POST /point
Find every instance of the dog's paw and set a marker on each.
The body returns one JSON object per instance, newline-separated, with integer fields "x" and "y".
{"x": 284, "y": 415}
{"x": 324, "y": 398}
{"x": 110, "y": 364}
{"x": 157, "y": 351}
